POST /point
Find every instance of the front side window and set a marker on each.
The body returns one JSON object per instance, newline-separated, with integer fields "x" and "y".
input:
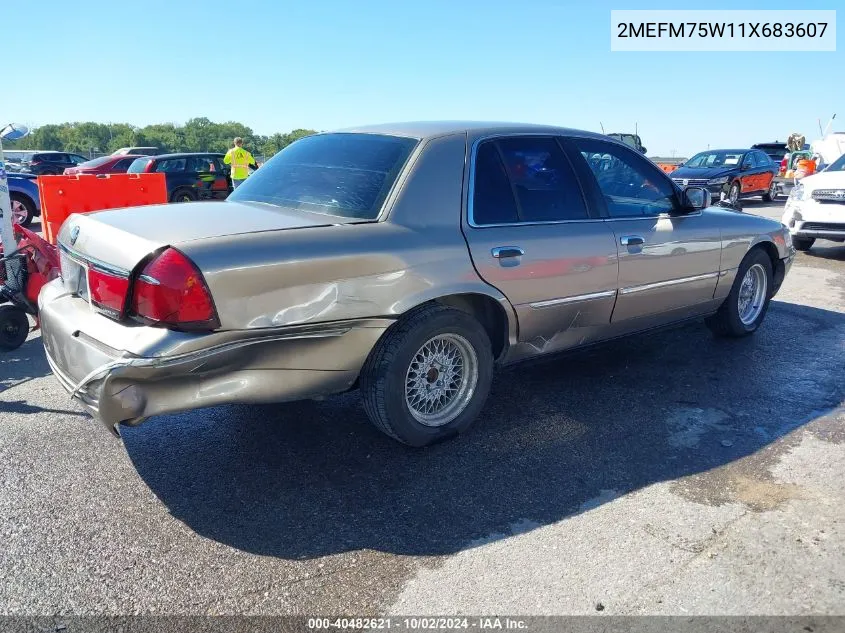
{"x": 76, "y": 159}
{"x": 630, "y": 184}
{"x": 748, "y": 161}
{"x": 525, "y": 179}
{"x": 340, "y": 174}
{"x": 138, "y": 166}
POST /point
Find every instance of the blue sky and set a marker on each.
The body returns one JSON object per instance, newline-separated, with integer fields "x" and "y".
{"x": 324, "y": 64}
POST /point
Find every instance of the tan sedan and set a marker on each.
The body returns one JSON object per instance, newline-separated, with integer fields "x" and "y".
{"x": 406, "y": 261}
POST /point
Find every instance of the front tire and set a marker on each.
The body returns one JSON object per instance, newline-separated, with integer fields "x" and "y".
{"x": 14, "y": 327}
{"x": 803, "y": 243}
{"x": 733, "y": 193}
{"x": 746, "y": 305}
{"x": 427, "y": 378}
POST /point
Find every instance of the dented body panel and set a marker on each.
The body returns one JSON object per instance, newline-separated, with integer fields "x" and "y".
{"x": 302, "y": 297}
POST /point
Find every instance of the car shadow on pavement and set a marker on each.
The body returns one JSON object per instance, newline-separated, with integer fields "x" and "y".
{"x": 559, "y": 437}
{"x": 23, "y": 364}
{"x": 830, "y": 251}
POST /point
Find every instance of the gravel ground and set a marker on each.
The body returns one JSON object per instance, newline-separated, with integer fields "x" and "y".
{"x": 669, "y": 473}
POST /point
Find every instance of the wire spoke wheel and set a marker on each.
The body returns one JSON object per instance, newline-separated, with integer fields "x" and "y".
{"x": 441, "y": 379}
{"x": 19, "y": 212}
{"x": 752, "y": 294}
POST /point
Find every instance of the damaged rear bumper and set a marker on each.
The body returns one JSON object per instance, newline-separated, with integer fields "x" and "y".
{"x": 194, "y": 371}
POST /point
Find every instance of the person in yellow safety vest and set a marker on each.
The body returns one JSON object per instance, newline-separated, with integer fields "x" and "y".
{"x": 240, "y": 160}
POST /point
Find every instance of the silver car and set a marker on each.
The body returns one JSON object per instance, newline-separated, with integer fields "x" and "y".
{"x": 405, "y": 261}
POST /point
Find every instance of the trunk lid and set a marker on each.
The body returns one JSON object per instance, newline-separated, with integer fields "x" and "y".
{"x": 113, "y": 243}
{"x": 123, "y": 237}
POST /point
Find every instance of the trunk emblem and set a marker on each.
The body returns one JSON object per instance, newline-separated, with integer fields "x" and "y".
{"x": 74, "y": 233}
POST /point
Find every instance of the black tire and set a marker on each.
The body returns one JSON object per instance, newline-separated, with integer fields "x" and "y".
{"x": 28, "y": 206}
{"x": 14, "y": 327}
{"x": 734, "y": 192}
{"x": 803, "y": 243}
{"x": 772, "y": 193}
{"x": 384, "y": 374}
{"x": 183, "y": 195}
{"x": 726, "y": 322}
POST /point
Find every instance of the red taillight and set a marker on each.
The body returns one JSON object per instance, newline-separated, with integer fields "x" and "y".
{"x": 149, "y": 168}
{"x": 172, "y": 292}
{"x": 108, "y": 292}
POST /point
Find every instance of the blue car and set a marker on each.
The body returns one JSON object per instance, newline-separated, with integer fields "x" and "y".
{"x": 23, "y": 190}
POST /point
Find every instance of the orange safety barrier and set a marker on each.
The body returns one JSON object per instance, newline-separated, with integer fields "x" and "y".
{"x": 667, "y": 167}
{"x": 82, "y": 193}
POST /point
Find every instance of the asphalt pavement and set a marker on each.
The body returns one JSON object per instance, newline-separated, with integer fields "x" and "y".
{"x": 669, "y": 473}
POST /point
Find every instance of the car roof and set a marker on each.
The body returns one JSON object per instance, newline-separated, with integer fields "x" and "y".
{"x": 735, "y": 150}
{"x": 431, "y": 129}
{"x": 182, "y": 155}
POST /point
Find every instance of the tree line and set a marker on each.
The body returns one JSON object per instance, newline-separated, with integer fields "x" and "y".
{"x": 197, "y": 135}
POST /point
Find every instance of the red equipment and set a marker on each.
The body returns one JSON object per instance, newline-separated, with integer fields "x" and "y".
{"x": 33, "y": 264}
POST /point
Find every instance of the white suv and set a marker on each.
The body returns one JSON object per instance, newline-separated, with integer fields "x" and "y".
{"x": 816, "y": 207}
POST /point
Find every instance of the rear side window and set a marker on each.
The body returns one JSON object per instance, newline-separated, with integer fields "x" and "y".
{"x": 341, "y": 174}
{"x": 525, "y": 179}
{"x": 762, "y": 159}
{"x": 492, "y": 197}
{"x": 123, "y": 165}
{"x": 171, "y": 165}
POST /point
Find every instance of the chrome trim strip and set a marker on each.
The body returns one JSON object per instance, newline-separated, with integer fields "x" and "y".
{"x": 93, "y": 262}
{"x": 606, "y": 294}
{"x": 670, "y": 282}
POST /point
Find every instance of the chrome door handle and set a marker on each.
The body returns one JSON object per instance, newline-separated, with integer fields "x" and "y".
{"x": 507, "y": 251}
{"x": 632, "y": 240}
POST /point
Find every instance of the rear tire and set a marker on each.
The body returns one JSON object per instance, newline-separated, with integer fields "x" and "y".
{"x": 427, "y": 378}
{"x": 14, "y": 328}
{"x": 803, "y": 243}
{"x": 772, "y": 193}
{"x": 183, "y": 195}
{"x": 746, "y": 305}
{"x": 23, "y": 206}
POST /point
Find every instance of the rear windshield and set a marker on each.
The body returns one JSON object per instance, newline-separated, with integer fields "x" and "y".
{"x": 137, "y": 167}
{"x": 341, "y": 174}
{"x": 96, "y": 162}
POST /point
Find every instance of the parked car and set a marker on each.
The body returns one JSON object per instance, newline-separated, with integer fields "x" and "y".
{"x": 26, "y": 203}
{"x": 52, "y": 163}
{"x": 104, "y": 165}
{"x": 815, "y": 208}
{"x": 136, "y": 151}
{"x": 190, "y": 177}
{"x": 741, "y": 173}
{"x": 381, "y": 258}
{"x": 775, "y": 150}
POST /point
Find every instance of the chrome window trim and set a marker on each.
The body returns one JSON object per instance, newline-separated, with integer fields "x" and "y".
{"x": 665, "y": 284}
{"x": 605, "y": 294}
{"x": 471, "y": 182}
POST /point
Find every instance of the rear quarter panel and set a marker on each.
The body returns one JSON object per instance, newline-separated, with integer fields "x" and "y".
{"x": 371, "y": 269}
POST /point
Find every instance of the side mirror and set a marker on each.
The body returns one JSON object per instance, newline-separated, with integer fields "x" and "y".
{"x": 697, "y": 198}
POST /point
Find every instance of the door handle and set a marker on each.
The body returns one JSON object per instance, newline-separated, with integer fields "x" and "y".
{"x": 632, "y": 240}
{"x": 507, "y": 251}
